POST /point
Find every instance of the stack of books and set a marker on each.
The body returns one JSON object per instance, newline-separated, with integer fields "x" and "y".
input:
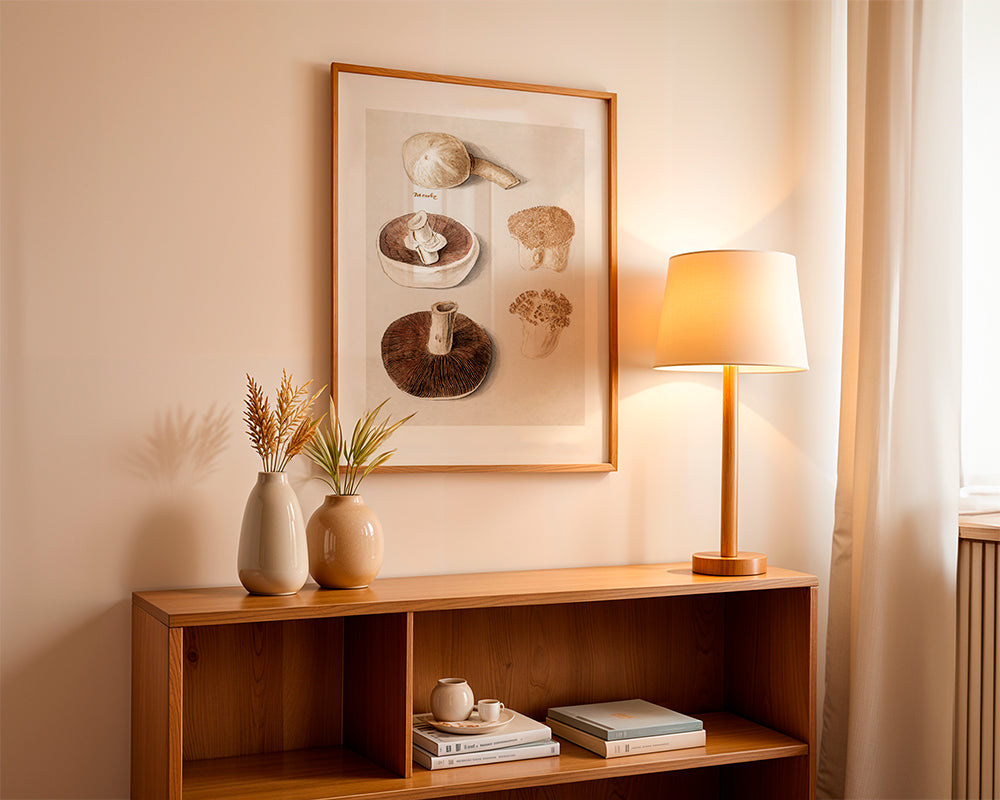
{"x": 626, "y": 727}
{"x": 519, "y": 739}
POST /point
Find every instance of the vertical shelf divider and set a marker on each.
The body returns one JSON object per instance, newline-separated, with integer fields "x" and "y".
{"x": 378, "y": 689}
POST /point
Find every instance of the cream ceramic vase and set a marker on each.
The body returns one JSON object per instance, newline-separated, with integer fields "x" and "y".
{"x": 451, "y": 700}
{"x": 273, "y": 557}
{"x": 345, "y": 543}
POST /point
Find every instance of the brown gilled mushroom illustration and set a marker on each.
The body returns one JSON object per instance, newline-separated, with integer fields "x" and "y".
{"x": 437, "y": 354}
{"x": 544, "y": 234}
{"x": 427, "y": 251}
{"x": 544, "y": 315}
{"x": 441, "y": 161}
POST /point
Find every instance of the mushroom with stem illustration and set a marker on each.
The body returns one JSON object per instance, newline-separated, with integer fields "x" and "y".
{"x": 423, "y": 239}
{"x": 544, "y": 315}
{"x": 427, "y": 251}
{"x": 437, "y": 354}
{"x": 441, "y": 161}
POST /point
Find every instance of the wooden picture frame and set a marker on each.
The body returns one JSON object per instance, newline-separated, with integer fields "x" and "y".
{"x": 474, "y": 269}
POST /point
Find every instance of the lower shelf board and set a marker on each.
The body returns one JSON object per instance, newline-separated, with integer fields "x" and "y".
{"x": 325, "y": 774}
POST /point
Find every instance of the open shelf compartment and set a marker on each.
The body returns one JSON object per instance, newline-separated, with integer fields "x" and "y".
{"x": 311, "y": 697}
{"x": 340, "y": 773}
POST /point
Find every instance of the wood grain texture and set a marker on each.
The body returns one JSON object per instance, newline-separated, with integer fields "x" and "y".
{"x": 776, "y": 779}
{"x": 612, "y": 232}
{"x": 462, "y": 81}
{"x": 610, "y": 466}
{"x": 264, "y": 677}
{"x": 771, "y": 664}
{"x": 744, "y": 562}
{"x": 339, "y": 773}
{"x": 979, "y": 527}
{"x": 261, "y": 688}
{"x": 377, "y": 693}
{"x": 312, "y": 683}
{"x": 149, "y": 706}
{"x": 536, "y": 657}
{"x": 156, "y": 709}
{"x": 220, "y": 605}
{"x": 702, "y": 784}
{"x": 730, "y": 464}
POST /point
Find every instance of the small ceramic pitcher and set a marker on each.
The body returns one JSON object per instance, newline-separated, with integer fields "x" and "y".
{"x": 451, "y": 700}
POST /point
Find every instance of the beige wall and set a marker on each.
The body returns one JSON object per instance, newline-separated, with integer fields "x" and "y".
{"x": 165, "y": 221}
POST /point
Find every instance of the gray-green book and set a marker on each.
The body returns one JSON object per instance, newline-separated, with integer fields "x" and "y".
{"x": 625, "y": 719}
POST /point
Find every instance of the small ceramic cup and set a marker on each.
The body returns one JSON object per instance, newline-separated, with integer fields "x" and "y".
{"x": 489, "y": 710}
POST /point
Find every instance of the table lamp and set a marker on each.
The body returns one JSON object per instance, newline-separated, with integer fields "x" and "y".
{"x": 731, "y": 311}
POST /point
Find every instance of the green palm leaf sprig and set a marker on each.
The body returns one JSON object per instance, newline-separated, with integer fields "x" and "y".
{"x": 347, "y": 463}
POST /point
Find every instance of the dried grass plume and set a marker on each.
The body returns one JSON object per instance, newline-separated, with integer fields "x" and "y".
{"x": 280, "y": 433}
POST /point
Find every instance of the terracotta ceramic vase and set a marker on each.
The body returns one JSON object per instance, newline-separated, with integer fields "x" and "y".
{"x": 345, "y": 543}
{"x": 273, "y": 558}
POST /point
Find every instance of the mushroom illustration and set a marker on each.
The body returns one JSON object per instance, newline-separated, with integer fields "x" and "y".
{"x": 437, "y": 354}
{"x": 544, "y": 315}
{"x": 402, "y": 257}
{"x": 423, "y": 238}
{"x": 544, "y": 234}
{"x": 441, "y": 161}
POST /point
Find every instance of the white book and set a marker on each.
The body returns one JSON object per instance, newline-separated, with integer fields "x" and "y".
{"x": 516, "y": 753}
{"x": 628, "y": 747}
{"x": 520, "y": 730}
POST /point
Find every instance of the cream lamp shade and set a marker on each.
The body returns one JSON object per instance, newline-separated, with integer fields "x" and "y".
{"x": 734, "y": 311}
{"x": 732, "y": 308}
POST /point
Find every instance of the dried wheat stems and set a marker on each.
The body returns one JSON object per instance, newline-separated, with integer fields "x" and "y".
{"x": 280, "y": 433}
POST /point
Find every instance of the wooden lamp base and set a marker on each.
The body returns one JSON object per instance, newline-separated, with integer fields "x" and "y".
{"x": 743, "y": 563}
{"x": 728, "y": 560}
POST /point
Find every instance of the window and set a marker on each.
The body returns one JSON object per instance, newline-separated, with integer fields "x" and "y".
{"x": 981, "y": 246}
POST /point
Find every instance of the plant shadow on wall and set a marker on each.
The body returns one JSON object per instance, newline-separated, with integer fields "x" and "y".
{"x": 181, "y": 450}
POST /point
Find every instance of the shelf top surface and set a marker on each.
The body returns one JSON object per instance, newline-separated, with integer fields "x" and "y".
{"x": 221, "y": 605}
{"x": 983, "y": 527}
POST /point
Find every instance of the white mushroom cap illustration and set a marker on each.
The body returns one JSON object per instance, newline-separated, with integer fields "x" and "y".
{"x": 441, "y": 161}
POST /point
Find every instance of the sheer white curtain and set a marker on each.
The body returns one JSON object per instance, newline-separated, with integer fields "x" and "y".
{"x": 888, "y": 715}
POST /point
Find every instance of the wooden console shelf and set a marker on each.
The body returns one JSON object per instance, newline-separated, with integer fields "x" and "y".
{"x": 309, "y": 697}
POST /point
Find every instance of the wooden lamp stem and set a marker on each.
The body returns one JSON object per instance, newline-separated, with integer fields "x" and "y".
{"x": 730, "y": 458}
{"x": 728, "y": 560}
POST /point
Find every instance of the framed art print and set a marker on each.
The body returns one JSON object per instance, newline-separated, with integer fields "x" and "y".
{"x": 474, "y": 269}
